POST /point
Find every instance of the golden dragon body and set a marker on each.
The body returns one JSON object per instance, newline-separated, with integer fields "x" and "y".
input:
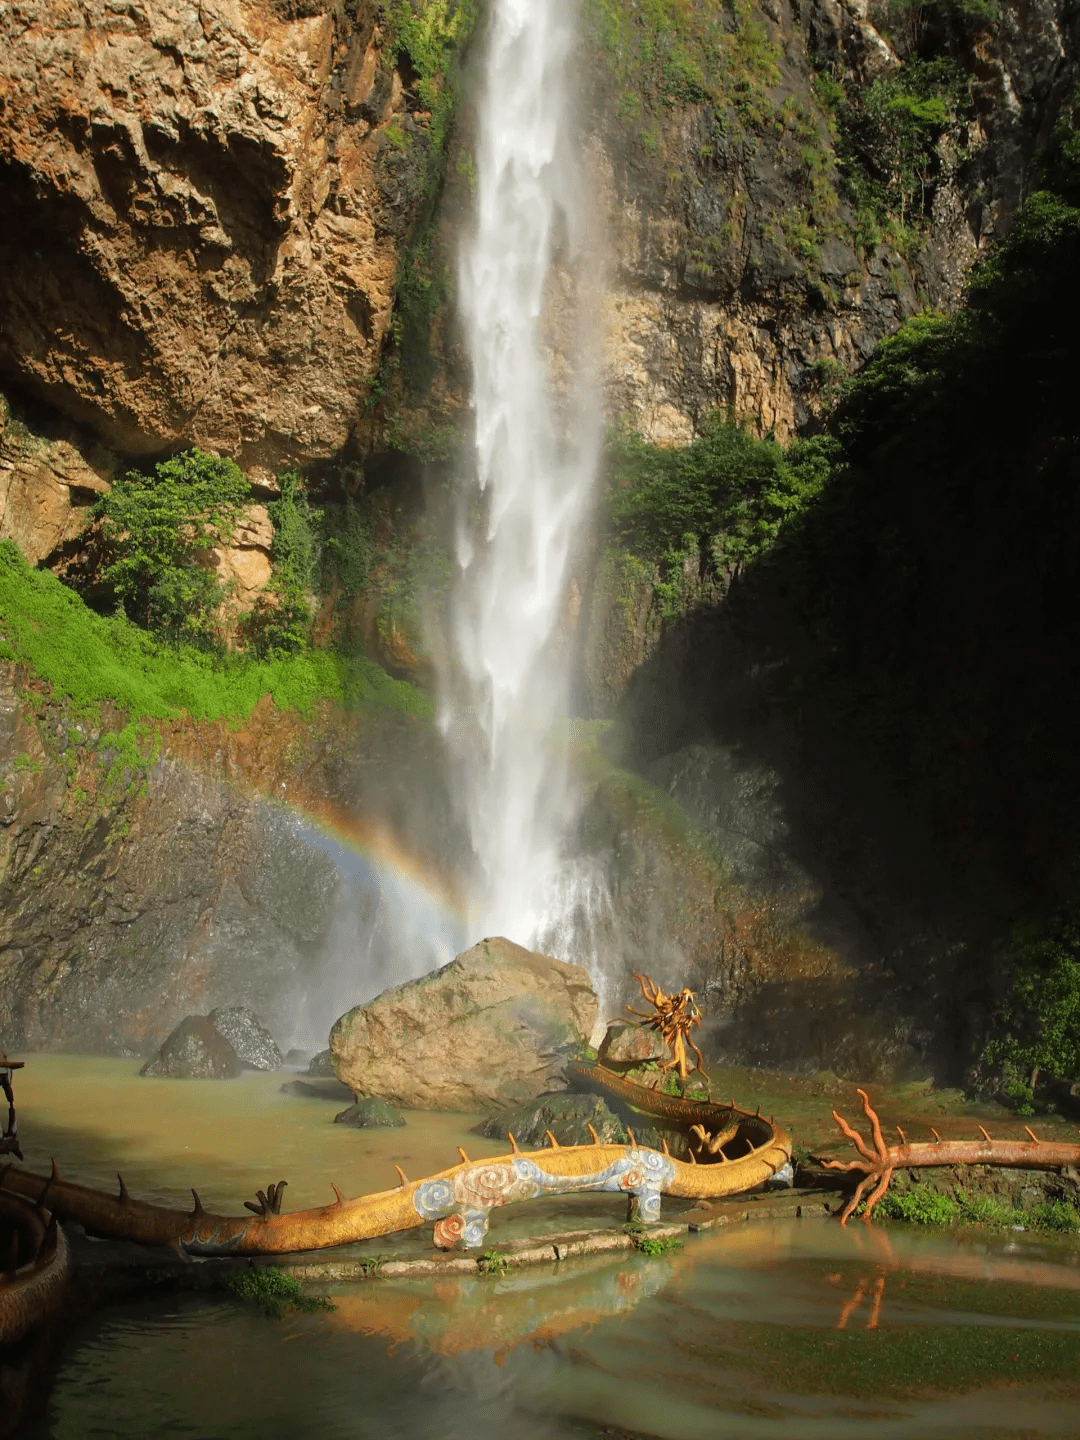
{"x": 458, "y": 1201}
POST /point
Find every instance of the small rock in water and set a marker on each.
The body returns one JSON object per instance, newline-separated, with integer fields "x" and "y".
{"x": 196, "y": 1050}
{"x": 301, "y": 1059}
{"x": 370, "y": 1113}
{"x": 248, "y": 1036}
{"x": 320, "y": 1064}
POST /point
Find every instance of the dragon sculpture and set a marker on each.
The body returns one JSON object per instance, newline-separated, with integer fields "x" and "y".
{"x": 721, "y": 1150}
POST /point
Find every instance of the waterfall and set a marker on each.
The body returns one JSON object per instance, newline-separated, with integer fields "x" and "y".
{"x": 524, "y": 292}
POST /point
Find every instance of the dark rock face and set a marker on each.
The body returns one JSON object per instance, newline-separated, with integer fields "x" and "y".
{"x": 371, "y": 1113}
{"x": 173, "y": 889}
{"x": 320, "y": 1065}
{"x": 194, "y": 1051}
{"x": 248, "y": 1036}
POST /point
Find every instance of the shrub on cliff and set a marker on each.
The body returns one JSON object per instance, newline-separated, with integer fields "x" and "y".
{"x": 157, "y": 532}
{"x": 1039, "y": 1023}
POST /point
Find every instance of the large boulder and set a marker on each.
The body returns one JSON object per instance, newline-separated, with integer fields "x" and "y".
{"x": 248, "y": 1036}
{"x": 196, "y": 1050}
{"x": 493, "y": 1028}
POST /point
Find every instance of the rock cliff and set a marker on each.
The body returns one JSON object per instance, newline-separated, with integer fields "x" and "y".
{"x": 199, "y": 246}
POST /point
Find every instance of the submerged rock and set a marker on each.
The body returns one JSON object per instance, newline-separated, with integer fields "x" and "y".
{"x": 318, "y": 1090}
{"x": 196, "y": 1050}
{"x": 370, "y": 1114}
{"x": 321, "y": 1065}
{"x": 248, "y": 1036}
{"x": 492, "y": 1028}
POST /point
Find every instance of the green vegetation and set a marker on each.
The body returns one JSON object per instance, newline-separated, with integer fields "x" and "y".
{"x": 95, "y": 659}
{"x": 666, "y": 53}
{"x": 1038, "y": 1027}
{"x": 428, "y": 37}
{"x": 890, "y": 144}
{"x": 720, "y": 502}
{"x": 921, "y": 1205}
{"x": 492, "y": 1262}
{"x": 156, "y": 531}
{"x": 651, "y": 1245}
{"x": 272, "y": 1291}
{"x": 279, "y": 623}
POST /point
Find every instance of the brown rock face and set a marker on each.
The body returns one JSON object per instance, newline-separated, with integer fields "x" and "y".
{"x": 492, "y": 1028}
{"x": 189, "y": 246}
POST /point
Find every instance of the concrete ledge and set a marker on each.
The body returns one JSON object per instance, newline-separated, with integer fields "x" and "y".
{"x": 140, "y": 1265}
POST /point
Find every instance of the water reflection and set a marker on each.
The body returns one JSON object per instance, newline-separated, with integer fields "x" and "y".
{"x": 739, "y": 1336}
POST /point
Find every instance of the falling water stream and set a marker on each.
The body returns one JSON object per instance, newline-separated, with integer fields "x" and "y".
{"x": 524, "y": 282}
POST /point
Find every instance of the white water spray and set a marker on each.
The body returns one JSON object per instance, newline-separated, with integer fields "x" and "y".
{"x": 523, "y": 273}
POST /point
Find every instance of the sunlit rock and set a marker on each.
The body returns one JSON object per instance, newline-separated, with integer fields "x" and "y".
{"x": 249, "y": 1037}
{"x": 494, "y": 1027}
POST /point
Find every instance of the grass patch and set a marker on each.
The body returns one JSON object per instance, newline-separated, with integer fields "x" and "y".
{"x": 273, "y": 1292}
{"x": 93, "y": 660}
{"x": 920, "y": 1205}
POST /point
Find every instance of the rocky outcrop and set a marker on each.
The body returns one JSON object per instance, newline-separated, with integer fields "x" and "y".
{"x": 495, "y": 1026}
{"x": 135, "y": 892}
{"x": 248, "y": 1036}
{"x": 196, "y": 244}
{"x": 196, "y": 1050}
{"x": 566, "y": 1116}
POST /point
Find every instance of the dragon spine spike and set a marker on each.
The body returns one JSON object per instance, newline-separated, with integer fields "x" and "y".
{"x": 664, "y": 1145}
{"x": 403, "y": 1177}
{"x": 340, "y": 1198}
{"x": 553, "y": 1144}
{"x": 123, "y": 1196}
{"x": 464, "y": 1158}
{"x": 903, "y": 1137}
{"x": 1034, "y": 1138}
{"x": 592, "y": 1131}
{"x": 934, "y": 1133}
{"x": 693, "y": 1157}
{"x": 198, "y": 1211}
{"x": 630, "y": 1136}
{"x": 985, "y": 1136}
{"x": 55, "y": 1172}
{"x": 513, "y": 1142}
